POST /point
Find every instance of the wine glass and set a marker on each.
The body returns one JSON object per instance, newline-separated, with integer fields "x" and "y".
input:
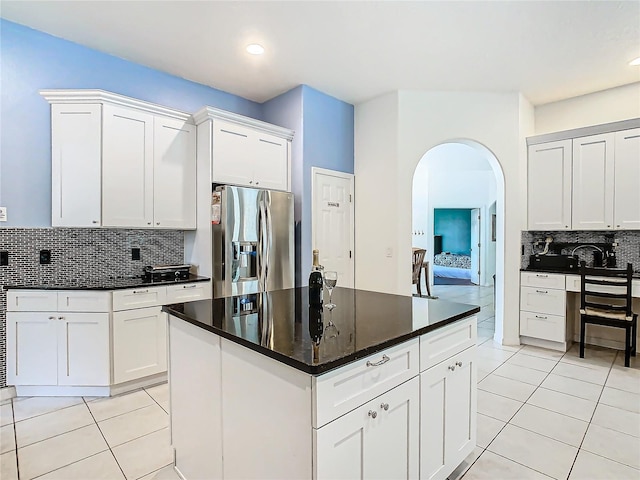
{"x": 330, "y": 281}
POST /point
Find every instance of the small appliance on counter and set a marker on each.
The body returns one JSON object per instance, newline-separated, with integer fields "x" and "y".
{"x": 552, "y": 261}
{"x": 165, "y": 272}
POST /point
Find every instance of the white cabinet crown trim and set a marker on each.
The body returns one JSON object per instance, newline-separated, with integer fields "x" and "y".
{"x": 102, "y": 96}
{"x": 211, "y": 113}
{"x": 584, "y": 131}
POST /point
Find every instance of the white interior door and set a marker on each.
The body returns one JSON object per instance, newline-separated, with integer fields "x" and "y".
{"x": 332, "y": 222}
{"x": 475, "y": 246}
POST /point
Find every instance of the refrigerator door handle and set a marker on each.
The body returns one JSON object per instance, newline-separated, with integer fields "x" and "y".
{"x": 262, "y": 245}
{"x": 269, "y": 227}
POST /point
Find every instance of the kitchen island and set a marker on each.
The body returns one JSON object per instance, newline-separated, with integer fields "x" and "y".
{"x": 266, "y": 386}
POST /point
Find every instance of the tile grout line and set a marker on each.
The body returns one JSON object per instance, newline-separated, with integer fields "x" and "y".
{"x": 15, "y": 438}
{"x": 592, "y": 415}
{"x": 152, "y": 398}
{"x": 105, "y": 439}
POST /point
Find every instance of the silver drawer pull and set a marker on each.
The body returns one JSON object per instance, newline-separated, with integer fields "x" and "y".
{"x": 385, "y": 359}
{"x": 52, "y": 318}
{"x": 135, "y": 292}
{"x": 60, "y": 318}
{"x": 542, "y": 317}
{"x": 542, "y": 291}
{"x": 189, "y": 286}
{"x": 541, "y": 275}
{"x": 452, "y": 367}
{"x": 459, "y": 364}
{"x": 384, "y": 406}
{"x": 373, "y": 414}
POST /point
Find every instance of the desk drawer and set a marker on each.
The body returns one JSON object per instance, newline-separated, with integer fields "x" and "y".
{"x": 32, "y": 301}
{"x": 139, "y": 298}
{"x": 543, "y": 300}
{"x": 447, "y": 341}
{"x": 546, "y": 280}
{"x": 340, "y": 391}
{"x": 540, "y": 325}
{"x": 188, "y": 292}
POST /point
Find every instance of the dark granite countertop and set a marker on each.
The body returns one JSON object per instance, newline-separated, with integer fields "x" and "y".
{"x": 636, "y": 274}
{"x": 107, "y": 283}
{"x": 282, "y": 325}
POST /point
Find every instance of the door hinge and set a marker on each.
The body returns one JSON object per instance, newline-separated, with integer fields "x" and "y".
{"x": 478, "y": 245}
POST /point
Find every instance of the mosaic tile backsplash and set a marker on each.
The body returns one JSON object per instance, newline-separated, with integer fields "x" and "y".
{"x": 627, "y": 251}
{"x": 78, "y": 254}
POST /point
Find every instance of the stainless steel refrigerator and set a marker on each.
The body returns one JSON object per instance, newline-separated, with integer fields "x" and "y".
{"x": 252, "y": 232}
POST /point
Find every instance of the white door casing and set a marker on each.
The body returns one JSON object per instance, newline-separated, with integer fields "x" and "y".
{"x": 332, "y": 229}
{"x": 475, "y": 245}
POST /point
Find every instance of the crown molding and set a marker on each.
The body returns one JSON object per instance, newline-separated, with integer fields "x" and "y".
{"x": 104, "y": 97}
{"x": 211, "y": 113}
{"x": 584, "y": 131}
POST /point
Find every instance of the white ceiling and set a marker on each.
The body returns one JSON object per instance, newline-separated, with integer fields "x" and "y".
{"x": 549, "y": 50}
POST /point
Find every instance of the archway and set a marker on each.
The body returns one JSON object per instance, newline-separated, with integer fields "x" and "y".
{"x": 424, "y": 227}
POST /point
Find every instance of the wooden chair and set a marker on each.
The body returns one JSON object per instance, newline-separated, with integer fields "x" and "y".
{"x": 605, "y": 299}
{"x": 418, "y": 260}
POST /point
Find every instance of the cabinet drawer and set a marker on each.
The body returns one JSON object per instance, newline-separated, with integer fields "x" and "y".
{"x": 32, "y": 301}
{"x": 441, "y": 344}
{"x": 340, "y": 391}
{"x": 573, "y": 283}
{"x": 546, "y": 280}
{"x": 188, "y": 292}
{"x": 85, "y": 301}
{"x": 139, "y": 298}
{"x": 540, "y": 325}
{"x": 543, "y": 300}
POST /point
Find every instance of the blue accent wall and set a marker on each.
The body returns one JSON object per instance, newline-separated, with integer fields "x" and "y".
{"x": 31, "y": 61}
{"x": 454, "y": 224}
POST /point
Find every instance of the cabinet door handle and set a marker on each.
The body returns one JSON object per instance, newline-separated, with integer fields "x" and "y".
{"x": 148, "y": 223}
{"x": 52, "y": 318}
{"x": 452, "y": 367}
{"x": 250, "y": 182}
{"x": 135, "y": 292}
{"x": 542, "y": 317}
{"x": 384, "y": 406}
{"x": 385, "y": 359}
{"x": 542, "y": 291}
{"x": 60, "y": 318}
{"x": 189, "y": 286}
{"x": 541, "y": 275}
{"x": 257, "y": 183}
{"x": 373, "y": 413}
{"x": 157, "y": 223}
{"x": 459, "y": 364}
{"x": 94, "y": 221}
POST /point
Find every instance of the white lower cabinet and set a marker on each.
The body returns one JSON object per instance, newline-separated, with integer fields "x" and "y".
{"x": 378, "y": 440}
{"x": 139, "y": 343}
{"x": 448, "y": 423}
{"x": 85, "y": 342}
{"x": 50, "y": 348}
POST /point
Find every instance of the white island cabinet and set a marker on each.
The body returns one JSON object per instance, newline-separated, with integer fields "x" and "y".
{"x": 238, "y": 413}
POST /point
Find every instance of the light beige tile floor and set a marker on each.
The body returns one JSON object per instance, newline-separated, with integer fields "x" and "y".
{"x": 541, "y": 414}
{"x": 547, "y": 414}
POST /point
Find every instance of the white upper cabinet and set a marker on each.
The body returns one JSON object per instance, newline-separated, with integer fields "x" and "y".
{"x": 589, "y": 182}
{"x": 174, "y": 173}
{"x": 75, "y": 165}
{"x": 120, "y": 162}
{"x": 549, "y": 186}
{"x": 244, "y": 151}
{"x": 127, "y": 167}
{"x": 593, "y": 182}
{"x": 626, "y": 212}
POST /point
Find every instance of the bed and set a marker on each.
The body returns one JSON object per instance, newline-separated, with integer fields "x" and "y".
{"x": 452, "y": 265}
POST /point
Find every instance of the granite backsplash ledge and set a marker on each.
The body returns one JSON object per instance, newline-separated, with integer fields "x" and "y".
{"x": 78, "y": 253}
{"x": 627, "y": 250}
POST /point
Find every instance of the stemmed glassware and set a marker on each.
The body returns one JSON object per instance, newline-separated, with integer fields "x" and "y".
{"x": 330, "y": 281}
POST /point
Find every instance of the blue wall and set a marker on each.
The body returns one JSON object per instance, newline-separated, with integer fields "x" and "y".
{"x": 328, "y": 143}
{"x": 31, "y": 61}
{"x": 454, "y": 224}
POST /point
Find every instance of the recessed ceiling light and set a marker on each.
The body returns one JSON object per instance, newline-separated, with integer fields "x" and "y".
{"x": 635, "y": 62}
{"x": 255, "y": 49}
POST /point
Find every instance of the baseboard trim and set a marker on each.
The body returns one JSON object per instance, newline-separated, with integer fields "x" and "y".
{"x": 7, "y": 393}
{"x": 538, "y": 342}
